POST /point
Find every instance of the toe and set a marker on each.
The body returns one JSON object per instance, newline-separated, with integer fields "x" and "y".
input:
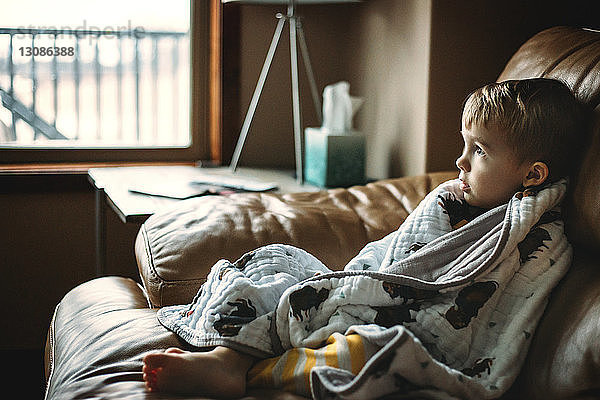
{"x": 150, "y": 379}
{"x": 146, "y": 369}
{"x": 175, "y": 350}
{"x": 153, "y": 361}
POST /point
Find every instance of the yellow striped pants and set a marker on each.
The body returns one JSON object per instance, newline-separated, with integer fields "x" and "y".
{"x": 291, "y": 370}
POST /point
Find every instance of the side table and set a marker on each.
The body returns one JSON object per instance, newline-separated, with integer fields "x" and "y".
{"x": 112, "y": 186}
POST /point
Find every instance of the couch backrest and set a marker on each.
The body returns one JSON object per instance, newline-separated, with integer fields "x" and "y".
{"x": 572, "y": 55}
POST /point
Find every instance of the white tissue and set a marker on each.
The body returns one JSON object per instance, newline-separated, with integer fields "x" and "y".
{"x": 339, "y": 108}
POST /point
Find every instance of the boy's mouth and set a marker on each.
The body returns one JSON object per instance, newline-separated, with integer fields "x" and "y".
{"x": 464, "y": 186}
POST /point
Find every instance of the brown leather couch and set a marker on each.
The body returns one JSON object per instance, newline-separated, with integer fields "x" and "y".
{"x": 102, "y": 329}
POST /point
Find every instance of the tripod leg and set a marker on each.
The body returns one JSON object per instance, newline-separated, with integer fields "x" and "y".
{"x": 296, "y": 101}
{"x": 256, "y": 96}
{"x": 309, "y": 72}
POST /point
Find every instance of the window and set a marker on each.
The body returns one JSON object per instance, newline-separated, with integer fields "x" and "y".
{"x": 103, "y": 80}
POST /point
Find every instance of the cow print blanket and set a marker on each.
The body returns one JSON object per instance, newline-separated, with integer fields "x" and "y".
{"x": 452, "y": 298}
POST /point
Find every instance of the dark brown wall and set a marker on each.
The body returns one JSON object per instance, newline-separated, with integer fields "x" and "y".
{"x": 379, "y": 46}
{"x": 47, "y": 241}
{"x": 391, "y": 64}
{"x": 329, "y": 36}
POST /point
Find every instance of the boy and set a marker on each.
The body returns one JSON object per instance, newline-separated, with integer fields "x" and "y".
{"x": 519, "y": 140}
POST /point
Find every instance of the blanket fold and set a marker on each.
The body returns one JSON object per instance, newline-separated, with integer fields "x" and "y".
{"x": 451, "y": 299}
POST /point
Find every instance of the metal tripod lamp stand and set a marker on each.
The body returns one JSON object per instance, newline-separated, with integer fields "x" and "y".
{"x": 296, "y": 38}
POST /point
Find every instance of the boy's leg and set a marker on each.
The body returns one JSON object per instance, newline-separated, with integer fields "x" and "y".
{"x": 220, "y": 372}
{"x": 291, "y": 371}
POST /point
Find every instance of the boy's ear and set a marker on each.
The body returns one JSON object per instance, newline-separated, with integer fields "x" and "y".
{"x": 536, "y": 175}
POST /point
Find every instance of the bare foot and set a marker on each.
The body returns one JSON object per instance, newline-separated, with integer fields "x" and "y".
{"x": 219, "y": 373}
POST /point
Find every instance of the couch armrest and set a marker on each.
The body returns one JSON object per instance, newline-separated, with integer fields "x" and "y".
{"x": 97, "y": 338}
{"x": 176, "y": 247}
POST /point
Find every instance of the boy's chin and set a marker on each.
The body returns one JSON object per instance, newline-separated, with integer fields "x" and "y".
{"x": 473, "y": 201}
{"x": 469, "y": 199}
{"x": 482, "y": 203}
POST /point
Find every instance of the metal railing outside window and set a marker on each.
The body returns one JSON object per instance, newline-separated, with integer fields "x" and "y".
{"x": 94, "y": 88}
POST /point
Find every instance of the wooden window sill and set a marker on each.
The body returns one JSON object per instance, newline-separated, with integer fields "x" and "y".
{"x": 73, "y": 168}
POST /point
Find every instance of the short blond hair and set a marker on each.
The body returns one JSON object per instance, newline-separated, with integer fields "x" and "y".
{"x": 540, "y": 118}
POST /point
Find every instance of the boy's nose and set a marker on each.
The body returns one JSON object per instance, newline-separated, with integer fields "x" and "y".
{"x": 461, "y": 163}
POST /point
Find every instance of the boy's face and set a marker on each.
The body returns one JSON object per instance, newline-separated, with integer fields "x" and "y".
{"x": 489, "y": 170}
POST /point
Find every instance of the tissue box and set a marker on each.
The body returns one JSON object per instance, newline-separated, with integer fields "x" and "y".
{"x": 334, "y": 160}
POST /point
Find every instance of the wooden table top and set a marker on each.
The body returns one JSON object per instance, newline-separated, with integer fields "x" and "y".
{"x": 117, "y": 183}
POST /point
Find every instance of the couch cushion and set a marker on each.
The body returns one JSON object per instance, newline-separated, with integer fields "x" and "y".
{"x": 176, "y": 247}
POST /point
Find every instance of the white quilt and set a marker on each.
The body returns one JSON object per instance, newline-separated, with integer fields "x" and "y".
{"x": 452, "y": 298}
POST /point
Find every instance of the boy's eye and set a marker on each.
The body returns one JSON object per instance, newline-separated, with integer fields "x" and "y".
{"x": 479, "y": 151}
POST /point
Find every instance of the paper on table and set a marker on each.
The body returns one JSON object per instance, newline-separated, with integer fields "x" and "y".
{"x": 199, "y": 184}
{"x": 233, "y": 182}
{"x": 173, "y": 190}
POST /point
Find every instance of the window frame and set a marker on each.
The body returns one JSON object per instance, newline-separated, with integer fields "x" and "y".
{"x": 201, "y": 91}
